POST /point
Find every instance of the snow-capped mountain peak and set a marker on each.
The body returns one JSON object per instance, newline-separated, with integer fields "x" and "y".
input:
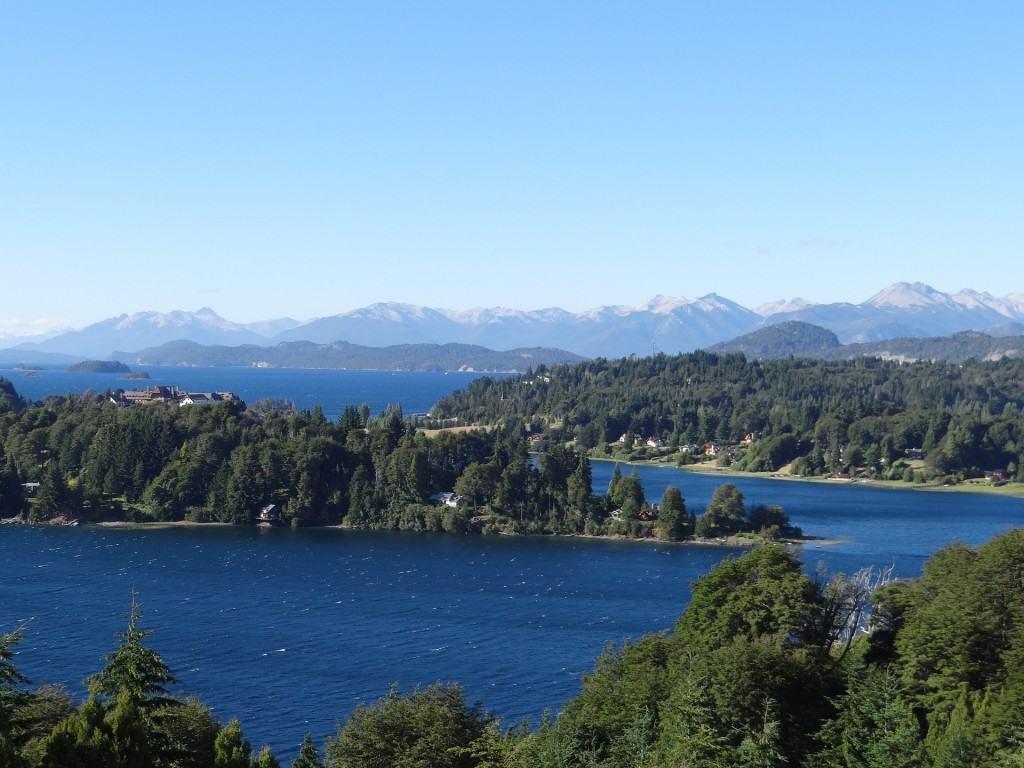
{"x": 666, "y": 323}
{"x": 662, "y": 305}
{"x": 782, "y": 305}
{"x": 910, "y": 296}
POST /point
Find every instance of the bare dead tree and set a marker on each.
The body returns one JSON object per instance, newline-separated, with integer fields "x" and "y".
{"x": 848, "y": 605}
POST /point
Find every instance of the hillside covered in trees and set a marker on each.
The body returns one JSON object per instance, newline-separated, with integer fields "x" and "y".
{"x": 799, "y": 339}
{"x": 767, "y": 667}
{"x": 865, "y": 415}
{"x": 94, "y": 460}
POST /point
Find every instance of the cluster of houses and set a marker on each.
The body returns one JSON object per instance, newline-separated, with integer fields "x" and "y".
{"x": 706, "y": 449}
{"x": 637, "y": 441}
{"x": 162, "y": 394}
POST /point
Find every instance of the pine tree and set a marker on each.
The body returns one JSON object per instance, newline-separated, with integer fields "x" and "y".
{"x": 52, "y": 494}
{"x": 129, "y": 733}
{"x": 132, "y": 667}
{"x": 674, "y": 522}
{"x": 11, "y": 498}
{"x": 231, "y": 749}
{"x": 613, "y": 484}
{"x": 266, "y": 759}
{"x": 82, "y": 740}
{"x": 308, "y": 756}
{"x": 763, "y": 749}
{"x": 580, "y": 485}
{"x": 10, "y": 679}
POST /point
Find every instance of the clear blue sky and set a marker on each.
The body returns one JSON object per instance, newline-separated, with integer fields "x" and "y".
{"x": 307, "y": 158}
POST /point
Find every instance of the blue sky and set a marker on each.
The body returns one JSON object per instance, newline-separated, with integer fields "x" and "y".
{"x": 306, "y": 158}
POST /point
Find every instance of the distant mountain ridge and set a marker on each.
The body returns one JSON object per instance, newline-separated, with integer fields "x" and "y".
{"x": 147, "y": 329}
{"x": 791, "y": 338}
{"x": 342, "y": 355}
{"x": 799, "y": 339}
{"x": 910, "y": 309}
{"x": 664, "y": 324}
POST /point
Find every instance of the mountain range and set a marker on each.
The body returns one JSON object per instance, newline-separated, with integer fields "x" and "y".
{"x": 664, "y": 324}
{"x": 794, "y": 338}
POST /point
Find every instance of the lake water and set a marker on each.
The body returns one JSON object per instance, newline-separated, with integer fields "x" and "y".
{"x": 289, "y": 630}
{"x": 330, "y": 389}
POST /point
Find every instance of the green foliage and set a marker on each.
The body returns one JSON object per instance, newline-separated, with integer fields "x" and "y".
{"x": 10, "y": 400}
{"x": 876, "y": 727}
{"x": 761, "y": 595}
{"x": 230, "y": 748}
{"x": 12, "y": 502}
{"x": 826, "y": 417}
{"x": 429, "y": 728}
{"x": 266, "y": 759}
{"x": 724, "y": 514}
{"x": 308, "y": 756}
{"x": 674, "y": 522}
{"x": 133, "y": 669}
{"x": 756, "y": 674}
{"x": 625, "y": 682}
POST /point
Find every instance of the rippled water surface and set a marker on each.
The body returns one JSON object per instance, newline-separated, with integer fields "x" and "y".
{"x": 290, "y": 629}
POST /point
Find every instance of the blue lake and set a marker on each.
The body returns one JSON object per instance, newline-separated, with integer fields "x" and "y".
{"x": 330, "y": 389}
{"x": 290, "y": 629}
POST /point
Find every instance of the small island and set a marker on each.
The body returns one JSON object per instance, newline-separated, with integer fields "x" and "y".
{"x": 136, "y": 376}
{"x": 99, "y": 366}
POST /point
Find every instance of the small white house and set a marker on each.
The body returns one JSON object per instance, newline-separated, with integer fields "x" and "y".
{"x": 197, "y": 398}
{"x": 446, "y": 499}
{"x": 269, "y": 514}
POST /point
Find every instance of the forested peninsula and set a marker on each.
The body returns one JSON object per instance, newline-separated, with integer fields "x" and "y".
{"x": 767, "y": 667}
{"x": 925, "y": 422}
{"x": 85, "y": 458}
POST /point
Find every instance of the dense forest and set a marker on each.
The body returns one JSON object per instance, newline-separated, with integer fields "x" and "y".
{"x": 94, "y": 460}
{"x": 862, "y": 416}
{"x": 766, "y": 667}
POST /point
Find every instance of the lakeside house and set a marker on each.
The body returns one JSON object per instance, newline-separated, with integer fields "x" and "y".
{"x": 30, "y": 489}
{"x": 269, "y": 515}
{"x": 446, "y": 499}
{"x": 165, "y": 394}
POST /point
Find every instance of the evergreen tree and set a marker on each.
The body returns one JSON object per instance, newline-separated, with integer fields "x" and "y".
{"x": 133, "y": 668}
{"x": 580, "y": 486}
{"x": 266, "y": 759}
{"x": 11, "y": 497}
{"x": 724, "y": 514}
{"x": 877, "y": 728}
{"x": 308, "y": 756}
{"x": 52, "y": 495}
{"x": 11, "y": 694}
{"x": 129, "y": 733}
{"x": 82, "y": 740}
{"x": 613, "y": 484}
{"x": 674, "y": 522}
{"x": 763, "y": 748}
{"x": 230, "y": 748}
